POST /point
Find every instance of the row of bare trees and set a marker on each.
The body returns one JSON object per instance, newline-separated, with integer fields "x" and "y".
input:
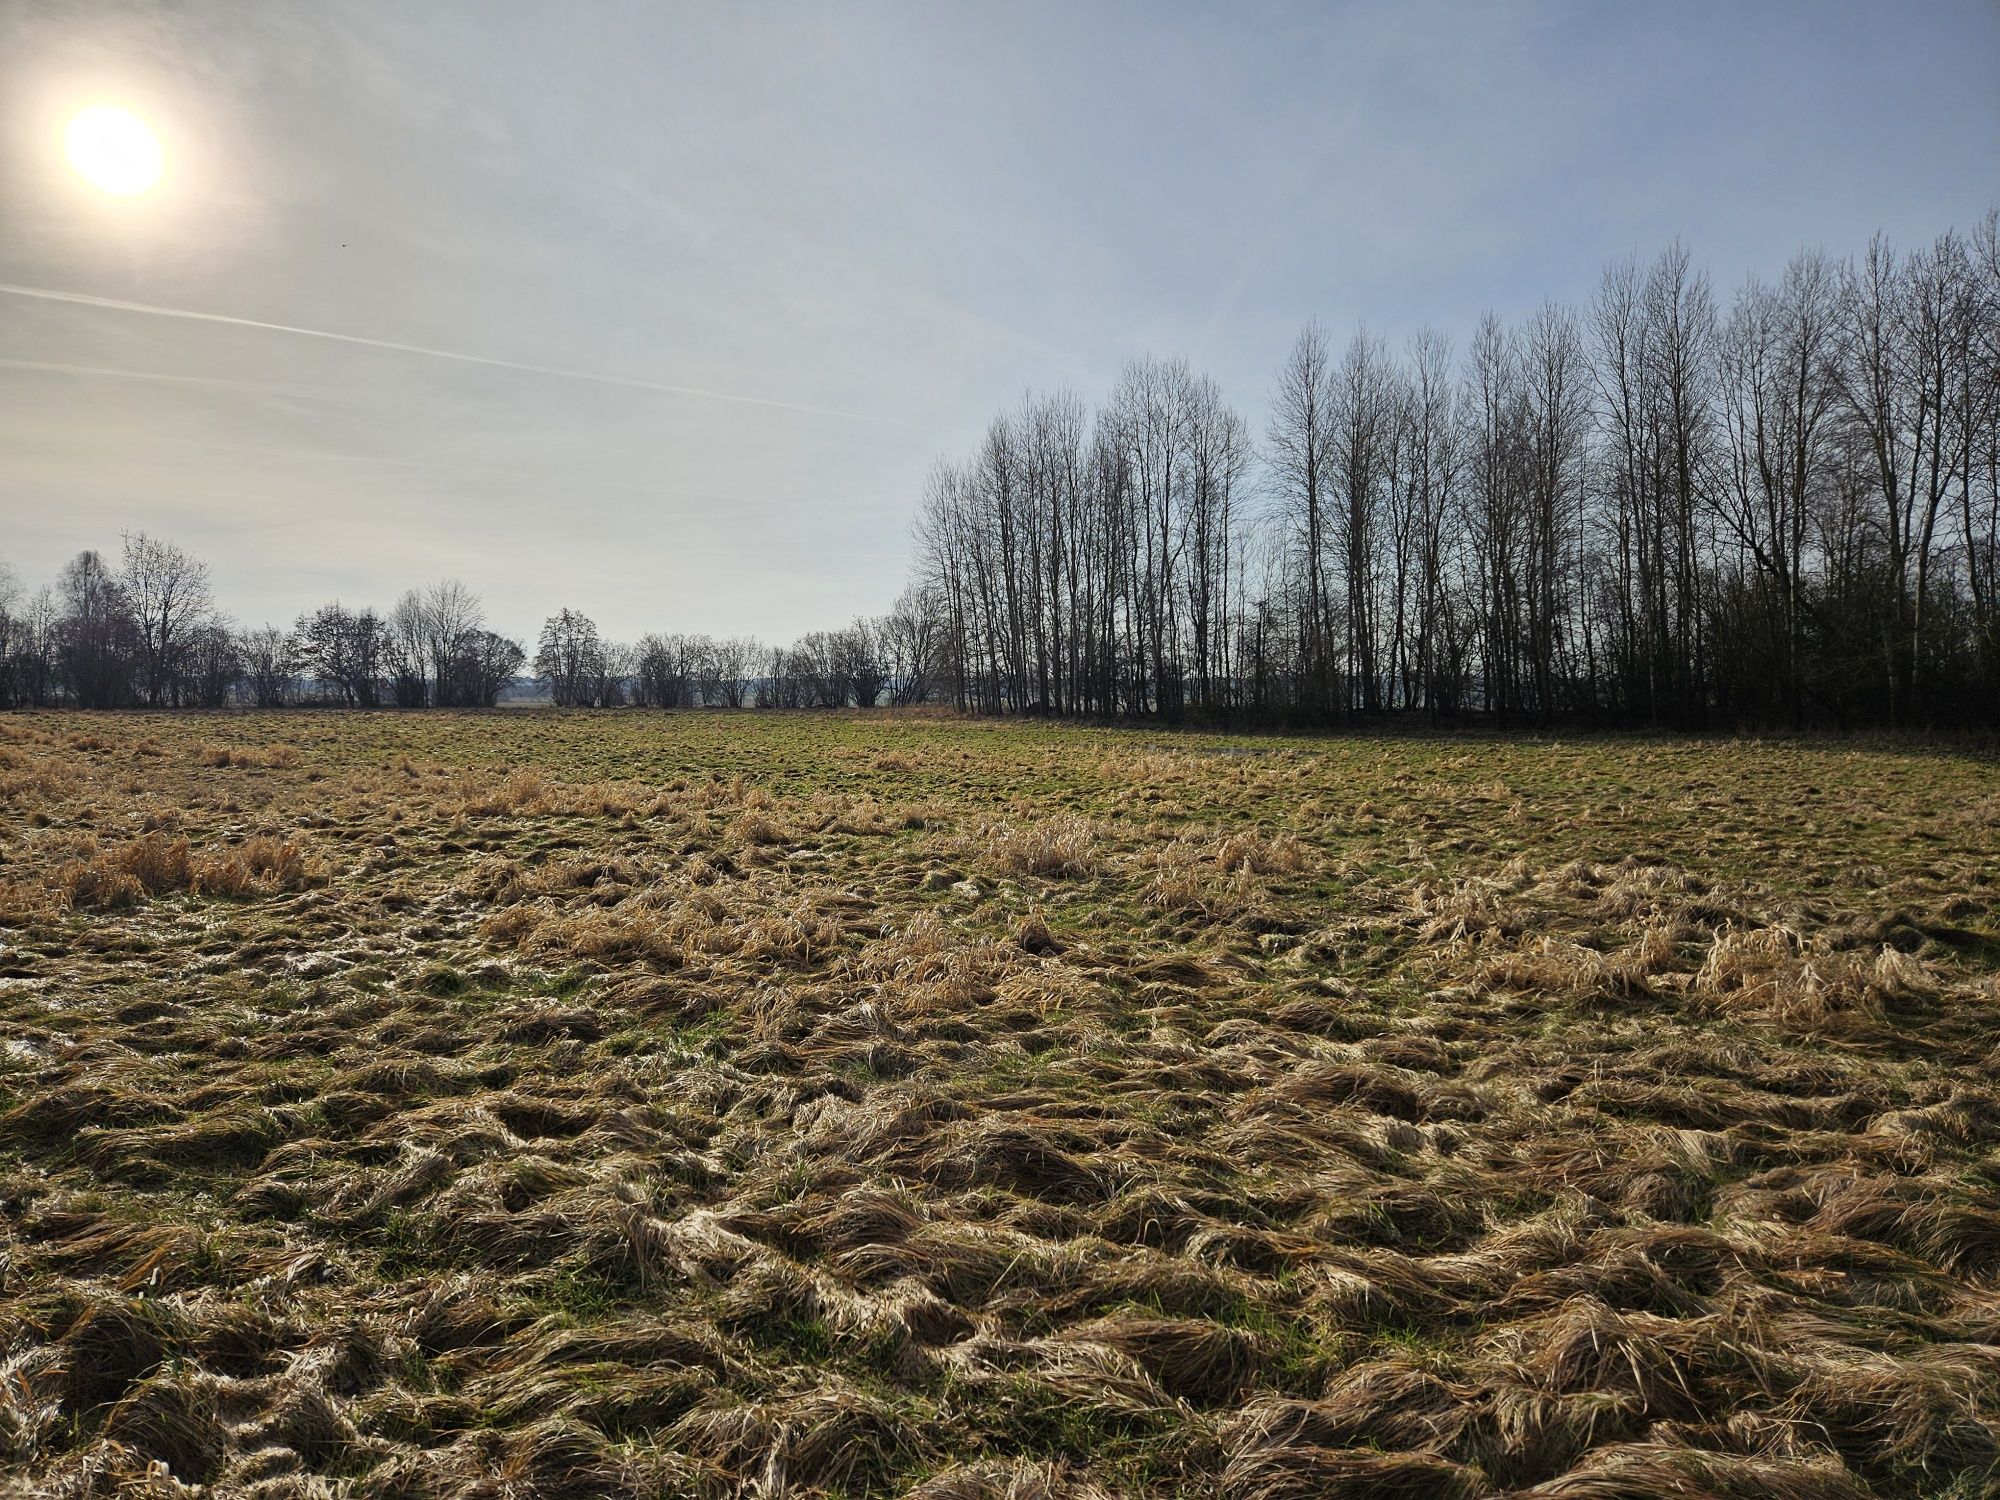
{"x": 142, "y": 630}
{"x": 147, "y": 633}
{"x": 1093, "y": 565}
{"x": 432, "y": 650}
{"x": 891, "y": 659}
{"x": 1655, "y": 509}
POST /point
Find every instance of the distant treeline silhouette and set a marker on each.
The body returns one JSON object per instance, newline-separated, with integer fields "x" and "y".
{"x": 147, "y": 632}
{"x": 1651, "y": 510}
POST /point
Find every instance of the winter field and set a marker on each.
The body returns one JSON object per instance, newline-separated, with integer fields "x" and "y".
{"x": 794, "y": 1105}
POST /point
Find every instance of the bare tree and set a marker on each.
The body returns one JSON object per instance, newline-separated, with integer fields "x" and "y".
{"x": 33, "y": 665}
{"x": 1779, "y": 393}
{"x": 483, "y": 669}
{"x": 733, "y": 661}
{"x": 12, "y": 629}
{"x": 859, "y": 662}
{"x": 665, "y": 671}
{"x": 1360, "y": 451}
{"x": 1299, "y": 453}
{"x": 911, "y": 639}
{"x": 1557, "y": 417}
{"x": 1495, "y": 511}
{"x": 168, "y": 591}
{"x": 268, "y": 665}
{"x": 616, "y": 665}
{"x": 210, "y": 667}
{"x": 1431, "y": 456}
{"x": 99, "y": 633}
{"x": 452, "y": 621}
{"x": 341, "y": 653}
{"x": 571, "y": 659}
{"x": 406, "y": 652}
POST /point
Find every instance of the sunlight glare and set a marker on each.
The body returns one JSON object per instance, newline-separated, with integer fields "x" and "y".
{"x": 114, "y": 150}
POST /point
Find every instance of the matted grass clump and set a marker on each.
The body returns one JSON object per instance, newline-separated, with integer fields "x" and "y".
{"x": 724, "y": 1104}
{"x": 155, "y": 865}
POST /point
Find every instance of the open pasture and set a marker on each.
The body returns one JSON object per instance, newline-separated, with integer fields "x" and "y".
{"x": 536, "y": 1104}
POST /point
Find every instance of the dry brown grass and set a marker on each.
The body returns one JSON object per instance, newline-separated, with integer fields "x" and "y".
{"x": 1283, "y": 855}
{"x": 155, "y": 865}
{"x": 1059, "y": 847}
{"x": 1776, "y": 973}
{"x": 552, "y": 1105}
{"x": 252, "y": 757}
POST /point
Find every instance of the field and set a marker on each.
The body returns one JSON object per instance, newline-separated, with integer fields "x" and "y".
{"x": 534, "y": 1104}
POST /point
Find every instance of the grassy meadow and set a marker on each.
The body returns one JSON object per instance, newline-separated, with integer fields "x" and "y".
{"x": 535, "y": 1104}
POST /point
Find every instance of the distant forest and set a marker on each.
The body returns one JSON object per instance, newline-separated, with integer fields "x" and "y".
{"x": 1650, "y": 510}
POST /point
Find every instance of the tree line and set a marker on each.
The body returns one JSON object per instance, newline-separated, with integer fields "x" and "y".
{"x": 1656, "y": 508}
{"x": 891, "y": 659}
{"x": 146, "y": 631}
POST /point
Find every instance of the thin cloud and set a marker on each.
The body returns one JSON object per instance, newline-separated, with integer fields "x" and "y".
{"x": 115, "y": 304}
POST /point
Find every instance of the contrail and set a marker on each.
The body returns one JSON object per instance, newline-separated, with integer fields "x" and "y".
{"x": 114, "y": 304}
{"x": 55, "y": 368}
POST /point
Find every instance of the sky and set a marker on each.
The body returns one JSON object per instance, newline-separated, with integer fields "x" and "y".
{"x": 663, "y": 311}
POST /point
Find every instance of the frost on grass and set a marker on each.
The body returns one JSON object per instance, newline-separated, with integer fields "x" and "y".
{"x": 553, "y": 1105}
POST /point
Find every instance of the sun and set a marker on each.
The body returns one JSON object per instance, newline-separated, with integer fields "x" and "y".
{"x": 114, "y": 149}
